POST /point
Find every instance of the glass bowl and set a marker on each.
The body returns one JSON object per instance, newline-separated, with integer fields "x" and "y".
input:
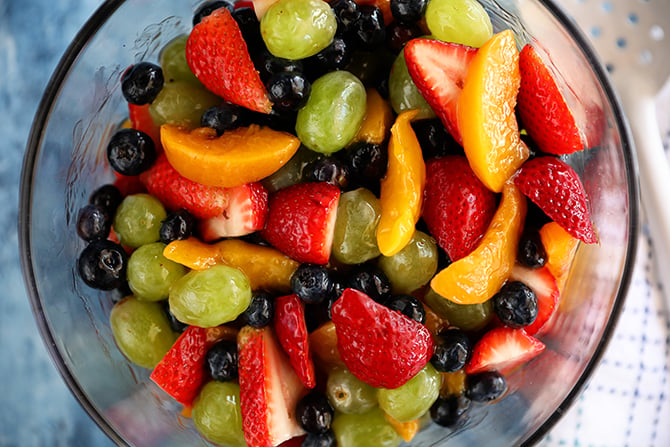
{"x": 65, "y": 162}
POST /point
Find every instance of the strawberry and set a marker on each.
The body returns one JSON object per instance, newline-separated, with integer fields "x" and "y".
{"x": 502, "y": 349}
{"x": 128, "y": 184}
{"x": 246, "y": 212}
{"x": 544, "y": 285}
{"x": 438, "y": 69}
{"x": 380, "y": 346}
{"x": 269, "y": 389}
{"x": 556, "y": 188}
{"x": 218, "y": 56}
{"x": 542, "y": 108}
{"x": 176, "y": 191}
{"x": 301, "y": 221}
{"x": 140, "y": 119}
{"x": 291, "y": 329}
{"x": 457, "y": 206}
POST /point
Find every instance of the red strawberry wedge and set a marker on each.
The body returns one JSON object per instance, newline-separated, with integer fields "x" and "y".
{"x": 291, "y": 329}
{"x": 556, "y": 188}
{"x": 269, "y": 389}
{"x": 543, "y": 284}
{"x": 140, "y": 119}
{"x": 542, "y": 108}
{"x": 502, "y": 349}
{"x": 380, "y": 346}
{"x": 246, "y": 212}
{"x": 219, "y": 58}
{"x": 301, "y": 221}
{"x": 438, "y": 69}
{"x": 457, "y": 206}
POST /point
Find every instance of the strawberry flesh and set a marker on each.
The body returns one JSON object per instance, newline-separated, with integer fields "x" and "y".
{"x": 502, "y": 349}
{"x": 245, "y": 213}
{"x": 140, "y": 119}
{"x": 543, "y": 284}
{"x": 291, "y": 329}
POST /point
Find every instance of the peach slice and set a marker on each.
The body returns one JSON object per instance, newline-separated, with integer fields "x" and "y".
{"x": 239, "y": 156}
{"x": 406, "y": 430}
{"x": 377, "y": 120}
{"x": 561, "y": 248}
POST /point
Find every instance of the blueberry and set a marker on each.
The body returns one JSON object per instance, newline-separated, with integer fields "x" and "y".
{"x": 250, "y": 28}
{"x": 261, "y": 310}
{"x": 408, "y": 306}
{"x": 367, "y": 163}
{"x": 268, "y": 64}
{"x": 398, "y": 34}
{"x": 329, "y": 170}
{"x": 368, "y": 31}
{"x": 102, "y": 265}
{"x": 485, "y": 386}
{"x": 221, "y": 361}
{"x": 141, "y": 83}
{"x": 314, "y": 413}
{"x": 451, "y": 351}
{"x": 336, "y": 56}
{"x": 515, "y": 304}
{"x": 531, "y": 252}
{"x": 450, "y": 411}
{"x": 288, "y": 90}
{"x": 175, "y": 324}
{"x": 434, "y": 139}
{"x": 326, "y": 439}
{"x": 346, "y": 13}
{"x": 178, "y": 225}
{"x": 209, "y": 7}
{"x": 407, "y": 11}
{"x": 93, "y": 222}
{"x": 223, "y": 117}
{"x": 108, "y": 197}
{"x": 312, "y": 283}
{"x": 370, "y": 280}
{"x": 131, "y": 152}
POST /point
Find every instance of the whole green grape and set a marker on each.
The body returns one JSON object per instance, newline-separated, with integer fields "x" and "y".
{"x": 404, "y": 94}
{"x": 355, "y": 237}
{"x": 348, "y": 394}
{"x": 412, "y": 399}
{"x": 150, "y": 274}
{"x": 370, "y": 429}
{"x": 413, "y": 266}
{"x": 182, "y": 103}
{"x": 296, "y": 29}
{"x": 333, "y": 113}
{"x": 459, "y": 21}
{"x": 211, "y": 297}
{"x": 142, "y": 331}
{"x": 216, "y": 413}
{"x": 468, "y": 317}
{"x": 138, "y": 219}
{"x": 172, "y": 60}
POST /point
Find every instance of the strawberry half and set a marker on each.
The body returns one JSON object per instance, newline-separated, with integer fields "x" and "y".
{"x": 502, "y": 349}
{"x": 218, "y": 56}
{"x": 543, "y": 284}
{"x": 542, "y": 108}
{"x": 438, "y": 69}
{"x": 140, "y": 119}
{"x": 301, "y": 221}
{"x": 458, "y": 208}
{"x": 380, "y": 346}
{"x": 556, "y": 188}
{"x": 176, "y": 191}
{"x": 269, "y": 389}
{"x": 245, "y": 213}
{"x": 291, "y": 329}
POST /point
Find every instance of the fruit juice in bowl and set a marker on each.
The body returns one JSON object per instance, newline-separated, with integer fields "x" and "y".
{"x": 346, "y": 223}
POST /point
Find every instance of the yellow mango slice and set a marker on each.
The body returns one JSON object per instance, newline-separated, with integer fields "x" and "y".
{"x": 377, "y": 120}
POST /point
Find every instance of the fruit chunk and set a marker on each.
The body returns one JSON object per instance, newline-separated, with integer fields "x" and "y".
{"x": 370, "y": 429}
{"x": 245, "y": 213}
{"x": 269, "y": 389}
{"x": 543, "y": 284}
{"x": 323, "y": 341}
{"x": 365, "y": 329}
{"x": 460, "y": 21}
{"x": 377, "y": 120}
{"x": 502, "y": 349}
{"x": 402, "y": 188}
{"x": 291, "y": 329}
{"x": 486, "y": 112}
{"x": 217, "y": 54}
{"x": 140, "y": 119}
{"x": 561, "y": 248}
{"x": 216, "y": 413}
{"x": 556, "y": 188}
{"x": 542, "y": 108}
{"x": 406, "y": 430}
{"x": 478, "y": 276}
{"x": 411, "y": 400}
{"x": 239, "y": 156}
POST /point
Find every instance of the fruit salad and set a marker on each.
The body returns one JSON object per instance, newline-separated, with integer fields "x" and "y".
{"x": 336, "y": 223}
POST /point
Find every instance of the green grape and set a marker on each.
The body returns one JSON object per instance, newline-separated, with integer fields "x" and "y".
{"x": 172, "y": 59}
{"x": 413, "y": 266}
{"x": 468, "y": 317}
{"x": 216, "y": 414}
{"x": 355, "y": 237}
{"x": 348, "y": 394}
{"x": 412, "y": 399}
{"x": 370, "y": 429}
{"x": 296, "y": 29}
{"x": 142, "y": 331}
{"x": 150, "y": 274}
{"x": 459, "y": 21}
{"x": 292, "y": 172}
{"x": 403, "y": 93}
{"x": 211, "y": 297}
{"x": 138, "y": 220}
{"x": 333, "y": 113}
{"x": 182, "y": 103}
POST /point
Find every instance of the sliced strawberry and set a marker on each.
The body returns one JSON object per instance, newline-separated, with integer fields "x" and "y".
{"x": 140, "y": 119}
{"x": 438, "y": 69}
{"x": 556, "y": 188}
{"x": 458, "y": 208}
{"x": 301, "y": 221}
{"x": 269, "y": 389}
{"x": 380, "y": 346}
{"x": 128, "y": 184}
{"x": 502, "y": 349}
{"x": 291, "y": 329}
{"x": 176, "y": 191}
{"x": 246, "y": 212}
{"x": 218, "y": 56}
{"x": 542, "y": 108}
{"x": 543, "y": 284}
